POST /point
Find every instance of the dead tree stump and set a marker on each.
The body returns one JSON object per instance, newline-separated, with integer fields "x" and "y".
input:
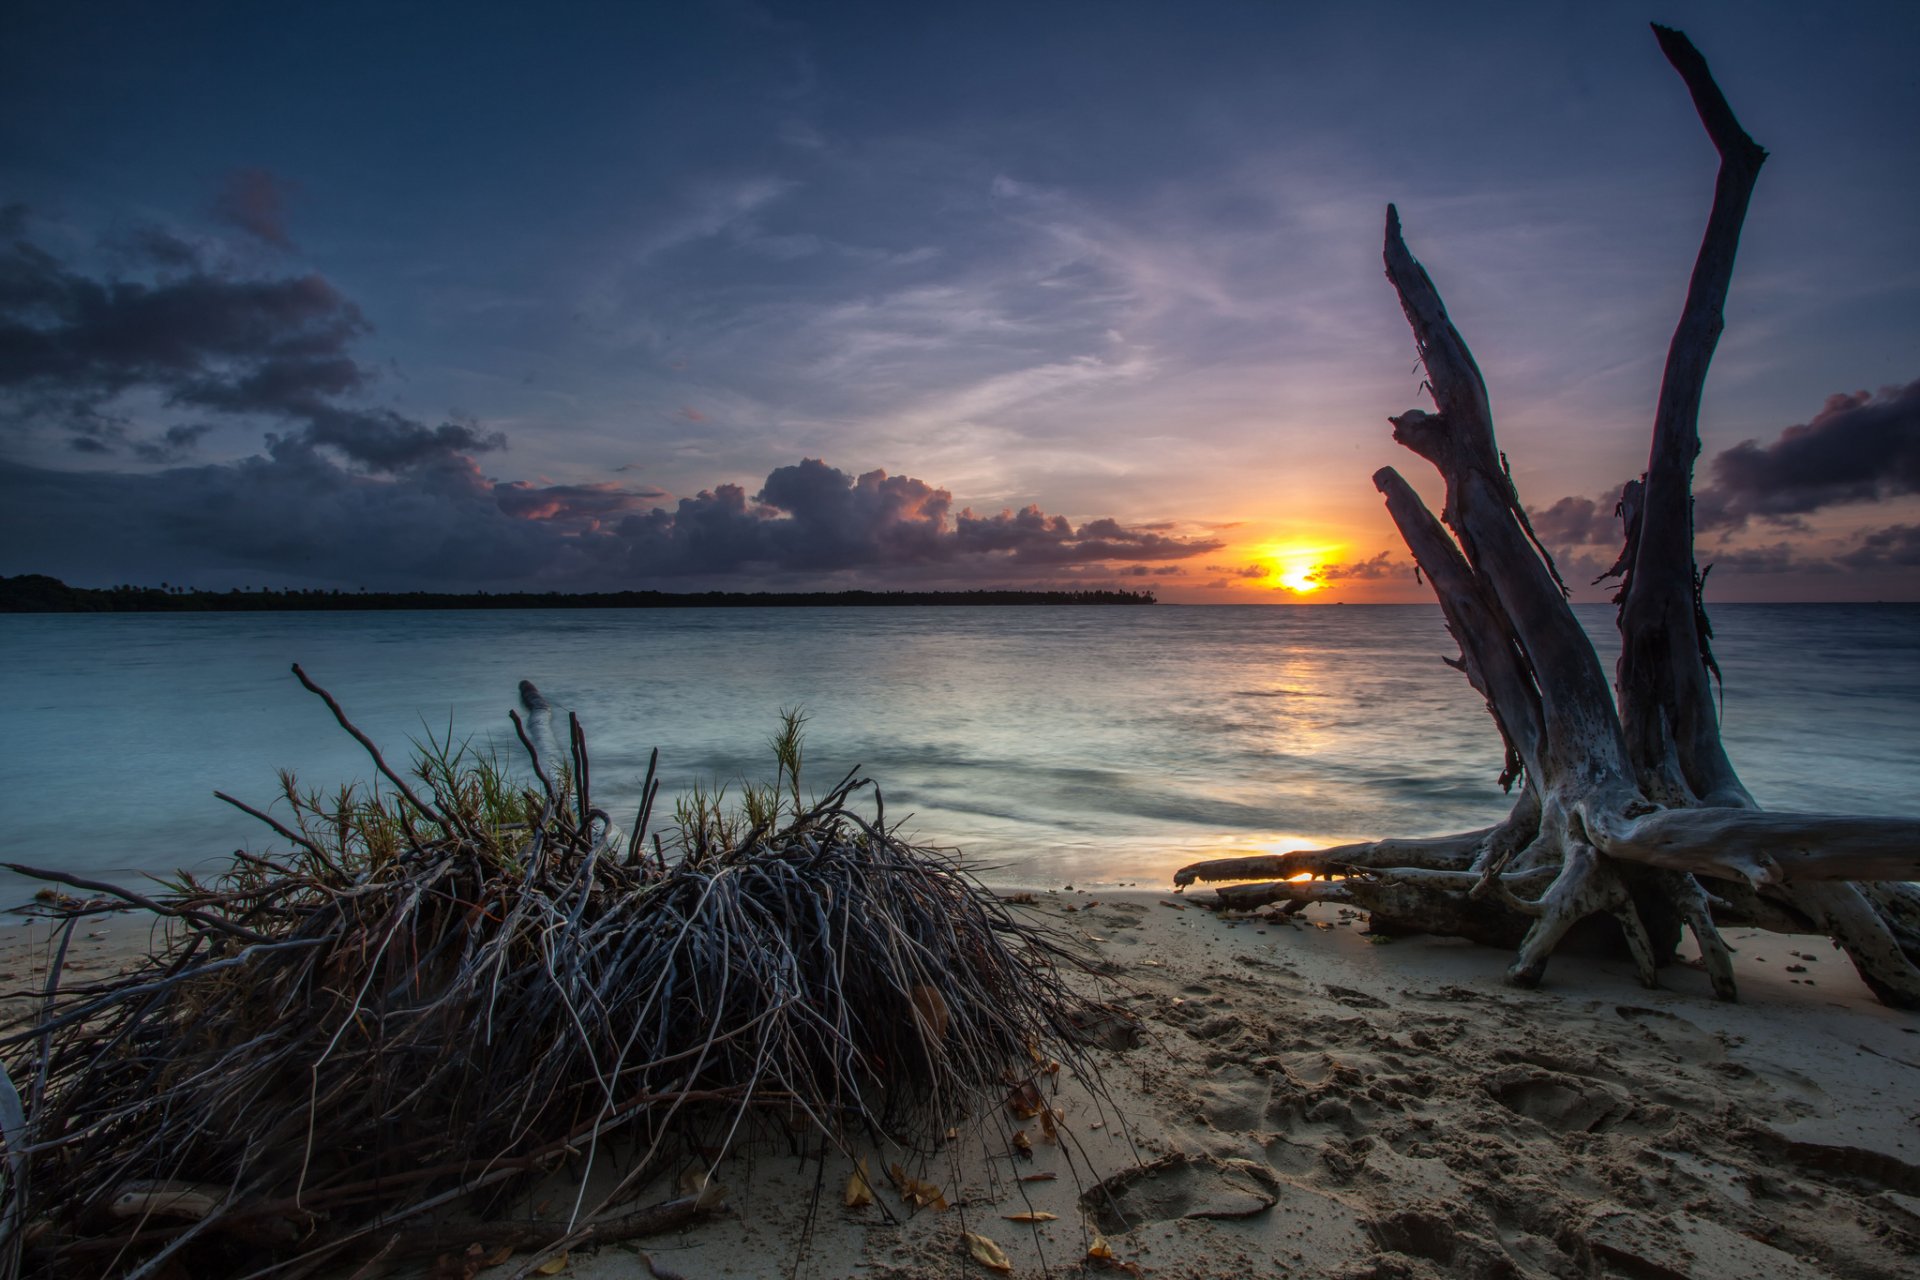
{"x": 1628, "y": 805}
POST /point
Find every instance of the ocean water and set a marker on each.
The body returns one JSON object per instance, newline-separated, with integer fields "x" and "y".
{"x": 1052, "y": 745}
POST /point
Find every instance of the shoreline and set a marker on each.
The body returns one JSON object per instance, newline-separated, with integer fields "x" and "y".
{"x": 1413, "y": 1116}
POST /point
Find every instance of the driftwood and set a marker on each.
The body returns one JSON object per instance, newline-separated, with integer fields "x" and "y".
{"x": 1628, "y": 805}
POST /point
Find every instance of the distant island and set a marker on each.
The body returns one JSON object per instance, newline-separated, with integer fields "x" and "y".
{"x": 37, "y": 593}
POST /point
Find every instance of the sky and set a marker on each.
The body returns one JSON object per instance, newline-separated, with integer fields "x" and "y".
{"x": 819, "y": 296}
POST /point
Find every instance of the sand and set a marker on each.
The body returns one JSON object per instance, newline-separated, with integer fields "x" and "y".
{"x": 1297, "y": 1099}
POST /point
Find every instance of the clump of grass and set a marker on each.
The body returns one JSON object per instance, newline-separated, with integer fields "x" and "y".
{"x": 450, "y": 983}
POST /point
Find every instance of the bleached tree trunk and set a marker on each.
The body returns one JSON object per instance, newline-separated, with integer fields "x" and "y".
{"x": 1628, "y": 807}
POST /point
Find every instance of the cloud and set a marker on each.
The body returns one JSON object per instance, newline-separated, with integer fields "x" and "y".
{"x": 305, "y": 515}
{"x": 1895, "y": 547}
{"x": 62, "y": 331}
{"x": 173, "y": 444}
{"x": 255, "y": 201}
{"x": 1860, "y": 447}
{"x": 1382, "y": 565}
{"x": 1577, "y": 522}
{"x": 349, "y": 493}
{"x": 814, "y": 518}
{"x": 71, "y": 346}
{"x": 1777, "y": 558}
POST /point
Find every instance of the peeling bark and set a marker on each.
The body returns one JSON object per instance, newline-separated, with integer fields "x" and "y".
{"x": 1629, "y": 805}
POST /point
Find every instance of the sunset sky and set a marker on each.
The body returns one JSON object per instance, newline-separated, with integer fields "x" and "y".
{"x": 750, "y": 296}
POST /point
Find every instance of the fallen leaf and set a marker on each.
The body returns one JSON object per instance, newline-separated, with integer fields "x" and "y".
{"x": 986, "y": 1252}
{"x": 552, "y": 1266}
{"x": 498, "y": 1256}
{"x": 1038, "y": 1177}
{"x": 1100, "y": 1250}
{"x": 930, "y": 1010}
{"x": 1047, "y": 1128}
{"x": 917, "y": 1193}
{"x": 1025, "y": 1101}
{"x": 1033, "y": 1216}
{"x": 1023, "y": 1144}
{"x": 859, "y": 1191}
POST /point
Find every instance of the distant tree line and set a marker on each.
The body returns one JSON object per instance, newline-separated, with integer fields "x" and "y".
{"x": 37, "y": 593}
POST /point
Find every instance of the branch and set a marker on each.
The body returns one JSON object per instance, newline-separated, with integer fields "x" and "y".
{"x": 1494, "y": 664}
{"x": 1580, "y": 729}
{"x": 1440, "y": 853}
{"x": 1666, "y": 704}
{"x": 1763, "y": 848}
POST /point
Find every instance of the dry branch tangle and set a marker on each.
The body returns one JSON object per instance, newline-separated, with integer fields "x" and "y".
{"x": 1629, "y": 807}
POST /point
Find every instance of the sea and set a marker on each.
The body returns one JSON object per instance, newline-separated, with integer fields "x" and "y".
{"x": 1095, "y": 746}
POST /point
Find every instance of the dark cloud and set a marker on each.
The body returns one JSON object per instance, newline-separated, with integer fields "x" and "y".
{"x": 385, "y": 441}
{"x": 814, "y": 518}
{"x": 578, "y": 505}
{"x": 1577, "y": 522}
{"x": 161, "y": 247}
{"x": 301, "y": 514}
{"x": 1778, "y": 558}
{"x": 1858, "y": 448}
{"x": 277, "y": 348}
{"x": 255, "y": 201}
{"x": 349, "y": 493}
{"x": 187, "y": 336}
{"x": 1031, "y": 537}
{"x": 1382, "y": 565}
{"x": 1895, "y": 547}
{"x": 172, "y": 445}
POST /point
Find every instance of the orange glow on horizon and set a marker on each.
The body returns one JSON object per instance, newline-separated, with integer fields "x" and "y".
{"x": 1291, "y": 567}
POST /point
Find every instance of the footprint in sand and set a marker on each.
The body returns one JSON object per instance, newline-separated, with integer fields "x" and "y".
{"x": 1181, "y": 1186}
{"x": 1567, "y": 1104}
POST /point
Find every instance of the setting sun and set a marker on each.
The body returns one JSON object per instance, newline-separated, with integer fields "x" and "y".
{"x": 1291, "y": 566}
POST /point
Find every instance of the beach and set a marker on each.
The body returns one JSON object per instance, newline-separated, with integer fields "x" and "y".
{"x": 1297, "y": 1097}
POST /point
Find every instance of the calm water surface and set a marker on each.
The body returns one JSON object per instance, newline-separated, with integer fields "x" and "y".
{"x": 1085, "y": 745}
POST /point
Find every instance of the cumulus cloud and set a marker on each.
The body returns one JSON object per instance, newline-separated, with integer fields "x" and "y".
{"x": 1577, "y": 522}
{"x": 814, "y": 518}
{"x": 1860, "y": 447}
{"x": 301, "y": 513}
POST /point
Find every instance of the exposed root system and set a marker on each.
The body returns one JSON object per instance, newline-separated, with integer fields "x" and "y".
{"x": 445, "y": 987}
